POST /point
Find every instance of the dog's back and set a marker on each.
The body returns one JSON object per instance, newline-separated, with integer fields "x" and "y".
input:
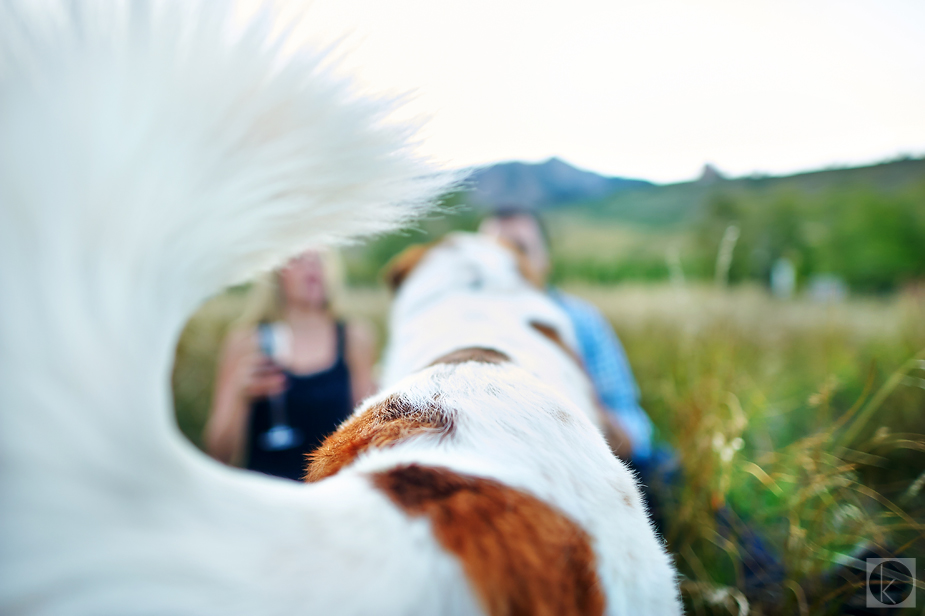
{"x": 471, "y": 291}
{"x": 476, "y": 344}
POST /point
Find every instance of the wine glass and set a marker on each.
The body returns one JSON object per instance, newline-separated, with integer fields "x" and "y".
{"x": 280, "y": 436}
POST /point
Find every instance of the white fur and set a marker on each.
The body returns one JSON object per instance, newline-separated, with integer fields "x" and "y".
{"x": 151, "y": 153}
{"x": 530, "y": 425}
{"x": 468, "y": 292}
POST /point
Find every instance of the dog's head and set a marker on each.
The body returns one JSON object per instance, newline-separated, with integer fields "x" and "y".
{"x": 473, "y": 291}
{"x": 476, "y": 265}
{"x": 466, "y": 260}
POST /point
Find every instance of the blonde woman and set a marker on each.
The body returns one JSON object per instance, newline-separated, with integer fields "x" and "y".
{"x": 290, "y": 373}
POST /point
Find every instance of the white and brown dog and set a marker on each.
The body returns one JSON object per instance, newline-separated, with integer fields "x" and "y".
{"x": 488, "y": 431}
{"x": 154, "y": 153}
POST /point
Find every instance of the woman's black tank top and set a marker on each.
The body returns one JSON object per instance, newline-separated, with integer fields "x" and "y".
{"x": 312, "y": 405}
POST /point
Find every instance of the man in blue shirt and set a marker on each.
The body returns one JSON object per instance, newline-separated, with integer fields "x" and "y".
{"x": 607, "y": 366}
{"x": 631, "y": 435}
{"x": 600, "y": 350}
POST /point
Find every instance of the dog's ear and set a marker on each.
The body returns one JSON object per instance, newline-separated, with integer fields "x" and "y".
{"x": 403, "y": 264}
{"x": 526, "y": 269}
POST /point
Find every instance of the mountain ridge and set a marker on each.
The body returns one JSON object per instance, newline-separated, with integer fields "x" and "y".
{"x": 556, "y": 185}
{"x": 546, "y": 184}
{"x": 679, "y": 203}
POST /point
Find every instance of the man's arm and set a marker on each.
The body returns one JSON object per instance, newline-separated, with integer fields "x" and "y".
{"x": 610, "y": 373}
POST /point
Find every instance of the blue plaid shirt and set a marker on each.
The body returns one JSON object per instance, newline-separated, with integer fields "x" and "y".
{"x": 609, "y": 370}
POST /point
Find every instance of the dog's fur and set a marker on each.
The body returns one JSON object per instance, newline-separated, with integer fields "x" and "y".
{"x": 501, "y": 396}
{"x": 151, "y": 154}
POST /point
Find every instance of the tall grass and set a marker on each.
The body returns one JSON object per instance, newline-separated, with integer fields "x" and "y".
{"x": 800, "y": 421}
{"x": 795, "y": 422}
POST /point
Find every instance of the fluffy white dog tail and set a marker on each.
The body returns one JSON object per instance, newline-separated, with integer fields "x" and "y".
{"x": 136, "y": 131}
{"x": 152, "y": 153}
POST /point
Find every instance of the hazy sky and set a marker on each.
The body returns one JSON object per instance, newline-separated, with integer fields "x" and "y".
{"x": 648, "y": 88}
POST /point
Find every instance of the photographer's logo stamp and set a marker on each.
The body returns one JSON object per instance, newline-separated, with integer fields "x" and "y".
{"x": 890, "y": 582}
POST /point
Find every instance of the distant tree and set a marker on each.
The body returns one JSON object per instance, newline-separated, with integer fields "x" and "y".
{"x": 871, "y": 237}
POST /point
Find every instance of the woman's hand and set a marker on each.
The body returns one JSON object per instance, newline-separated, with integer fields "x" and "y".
{"x": 260, "y": 377}
{"x": 244, "y": 373}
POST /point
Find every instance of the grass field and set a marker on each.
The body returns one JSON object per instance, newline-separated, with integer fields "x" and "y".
{"x": 803, "y": 420}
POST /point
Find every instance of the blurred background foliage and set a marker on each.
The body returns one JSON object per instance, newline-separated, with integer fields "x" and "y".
{"x": 802, "y": 418}
{"x": 872, "y": 239}
{"x": 864, "y": 225}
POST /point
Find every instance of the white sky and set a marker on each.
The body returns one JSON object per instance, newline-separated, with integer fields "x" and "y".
{"x": 647, "y": 88}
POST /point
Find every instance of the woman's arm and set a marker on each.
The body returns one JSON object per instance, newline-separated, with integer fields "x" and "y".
{"x": 243, "y": 374}
{"x": 361, "y": 356}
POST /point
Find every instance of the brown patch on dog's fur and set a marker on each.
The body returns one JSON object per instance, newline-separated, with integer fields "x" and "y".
{"x": 479, "y": 354}
{"x": 383, "y": 425}
{"x": 404, "y": 263}
{"x": 521, "y": 556}
{"x": 552, "y": 334}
